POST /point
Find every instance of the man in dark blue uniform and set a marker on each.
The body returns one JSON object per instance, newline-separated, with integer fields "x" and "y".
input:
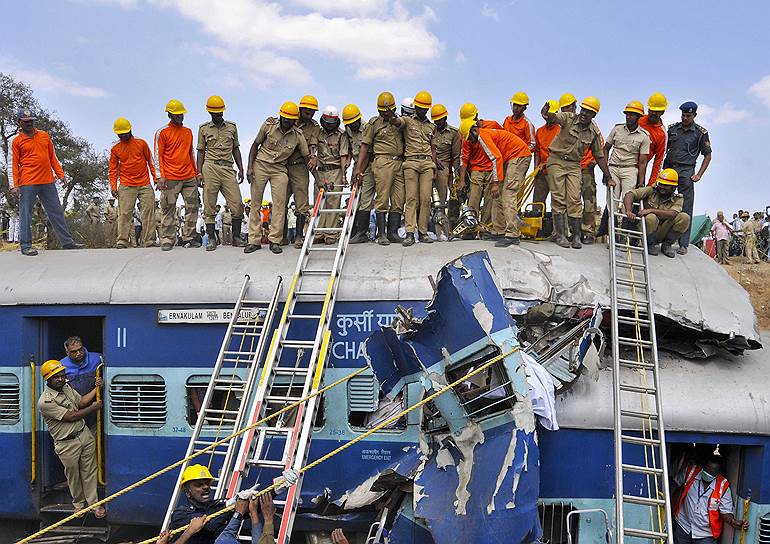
{"x": 687, "y": 140}
{"x": 80, "y": 366}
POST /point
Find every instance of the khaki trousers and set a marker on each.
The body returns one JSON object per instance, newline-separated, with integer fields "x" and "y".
{"x": 588, "y": 193}
{"x": 278, "y": 177}
{"x": 540, "y": 190}
{"x": 515, "y": 172}
{"x": 127, "y": 197}
{"x": 168, "y": 197}
{"x": 625, "y": 179}
{"x": 750, "y": 248}
{"x": 520, "y": 195}
{"x": 111, "y": 231}
{"x": 564, "y": 181}
{"x": 299, "y": 183}
{"x": 227, "y": 234}
{"x": 220, "y": 178}
{"x": 442, "y": 182}
{"x": 79, "y": 459}
{"x": 388, "y": 183}
{"x": 480, "y": 184}
{"x": 418, "y": 182}
{"x": 366, "y": 191}
{"x": 332, "y": 179}
{"x": 660, "y": 229}
{"x": 723, "y": 251}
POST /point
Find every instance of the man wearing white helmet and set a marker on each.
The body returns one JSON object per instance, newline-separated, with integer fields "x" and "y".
{"x": 407, "y": 107}
{"x": 333, "y": 160}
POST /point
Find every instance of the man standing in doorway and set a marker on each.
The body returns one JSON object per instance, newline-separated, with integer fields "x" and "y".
{"x": 80, "y": 366}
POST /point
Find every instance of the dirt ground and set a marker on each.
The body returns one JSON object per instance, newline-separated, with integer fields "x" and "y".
{"x": 755, "y": 278}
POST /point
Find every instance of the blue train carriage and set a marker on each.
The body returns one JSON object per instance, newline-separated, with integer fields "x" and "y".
{"x": 159, "y": 323}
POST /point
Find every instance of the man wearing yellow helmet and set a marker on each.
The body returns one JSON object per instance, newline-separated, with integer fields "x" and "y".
{"x": 384, "y": 140}
{"x": 544, "y": 135}
{"x": 448, "y": 150}
{"x": 355, "y": 128}
{"x": 653, "y": 124}
{"x": 276, "y": 142}
{"x": 299, "y": 168}
{"x": 661, "y": 209}
{"x": 218, "y": 147}
{"x": 630, "y": 145}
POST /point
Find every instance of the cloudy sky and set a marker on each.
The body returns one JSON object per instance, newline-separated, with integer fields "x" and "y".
{"x": 95, "y": 60}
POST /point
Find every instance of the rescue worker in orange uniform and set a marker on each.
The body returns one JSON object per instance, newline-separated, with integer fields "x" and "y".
{"x": 543, "y": 138}
{"x": 509, "y": 157}
{"x": 652, "y": 123}
{"x": 130, "y": 159}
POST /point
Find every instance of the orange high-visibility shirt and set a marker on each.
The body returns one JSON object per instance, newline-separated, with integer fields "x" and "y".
{"x": 543, "y": 138}
{"x": 174, "y": 155}
{"x": 265, "y": 213}
{"x": 129, "y": 162}
{"x": 477, "y": 158}
{"x": 33, "y": 160}
{"x": 658, "y": 141}
{"x": 588, "y": 156}
{"x": 499, "y": 147}
{"x": 522, "y": 128}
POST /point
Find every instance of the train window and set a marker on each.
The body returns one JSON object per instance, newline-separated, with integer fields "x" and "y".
{"x": 368, "y": 407}
{"x": 10, "y": 408}
{"x": 138, "y": 400}
{"x": 487, "y": 393}
{"x": 224, "y": 403}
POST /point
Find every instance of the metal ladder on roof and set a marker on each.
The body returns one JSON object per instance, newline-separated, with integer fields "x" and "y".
{"x": 638, "y": 417}
{"x": 295, "y": 362}
{"x": 228, "y": 394}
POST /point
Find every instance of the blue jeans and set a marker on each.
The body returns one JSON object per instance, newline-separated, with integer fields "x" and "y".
{"x": 230, "y": 533}
{"x": 49, "y": 198}
{"x": 680, "y": 537}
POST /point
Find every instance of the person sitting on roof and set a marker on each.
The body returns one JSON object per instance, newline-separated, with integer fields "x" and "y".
{"x": 661, "y": 210}
{"x": 704, "y": 504}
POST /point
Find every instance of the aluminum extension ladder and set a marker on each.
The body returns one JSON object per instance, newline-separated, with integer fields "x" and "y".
{"x": 242, "y": 350}
{"x": 295, "y": 362}
{"x": 638, "y": 417}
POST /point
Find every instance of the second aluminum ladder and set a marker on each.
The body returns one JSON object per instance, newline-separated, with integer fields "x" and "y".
{"x": 637, "y": 404}
{"x": 296, "y": 359}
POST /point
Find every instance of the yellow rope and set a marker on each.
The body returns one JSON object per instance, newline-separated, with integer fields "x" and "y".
{"x": 358, "y": 438}
{"x": 188, "y": 458}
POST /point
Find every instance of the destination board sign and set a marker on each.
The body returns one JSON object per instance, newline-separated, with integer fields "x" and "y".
{"x": 208, "y": 315}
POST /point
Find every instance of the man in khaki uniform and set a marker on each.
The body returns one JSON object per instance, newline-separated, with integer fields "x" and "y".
{"x": 276, "y": 142}
{"x": 630, "y": 146}
{"x": 751, "y": 228}
{"x": 217, "y": 148}
{"x": 111, "y": 221}
{"x": 333, "y": 160}
{"x": 386, "y": 142}
{"x": 354, "y": 128}
{"x": 94, "y": 212}
{"x": 419, "y": 167}
{"x": 227, "y": 228}
{"x": 64, "y": 411}
{"x": 299, "y": 177}
{"x": 577, "y": 134}
{"x": 448, "y": 146}
{"x": 662, "y": 212}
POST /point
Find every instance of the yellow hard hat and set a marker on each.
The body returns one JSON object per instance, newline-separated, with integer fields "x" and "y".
{"x": 468, "y": 111}
{"x": 195, "y": 472}
{"x": 567, "y": 99}
{"x": 520, "y": 99}
{"x": 553, "y": 106}
{"x": 423, "y": 99}
{"x": 465, "y": 127}
{"x": 175, "y": 107}
{"x": 121, "y": 126}
{"x": 289, "y": 110}
{"x": 350, "y": 114}
{"x": 385, "y": 101}
{"x": 634, "y": 107}
{"x": 591, "y": 103}
{"x": 668, "y": 176}
{"x": 51, "y": 368}
{"x": 657, "y": 102}
{"x": 309, "y": 101}
{"x": 247, "y": 200}
{"x": 265, "y": 203}
{"x": 438, "y": 112}
{"x": 215, "y": 104}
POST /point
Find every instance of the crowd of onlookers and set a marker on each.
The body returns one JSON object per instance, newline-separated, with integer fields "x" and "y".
{"x": 747, "y": 234}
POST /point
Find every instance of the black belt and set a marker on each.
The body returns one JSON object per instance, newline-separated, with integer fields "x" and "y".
{"x": 419, "y": 157}
{"x": 624, "y": 165}
{"x": 394, "y": 157}
{"x": 301, "y": 161}
{"x": 327, "y": 168}
{"x": 221, "y": 163}
{"x": 74, "y": 435}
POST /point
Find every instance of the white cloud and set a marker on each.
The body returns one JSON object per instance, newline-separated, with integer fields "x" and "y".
{"x": 721, "y": 115}
{"x": 489, "y": 11}
{"x": 761, "y": 90}
{"x": 460, "y": 58}
{"x": 346, "y": 7}
{"x": 41, "y": 80}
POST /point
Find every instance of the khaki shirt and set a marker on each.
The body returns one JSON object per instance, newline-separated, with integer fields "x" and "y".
{"x": 751, "y": 227}
{"x": 383, "y": 138}
{"x": 355, "y": 138}
{"x": 628, "y": 145}
{"x": 93, "y": 213}
{"x": 332, "y": 146}
{"x": 54, "y": 405}
{"x": 311, "y": 131}
{"x": 448, "y": 146}
{"x": 227, "y": 218}
{"x": 418, "y": 136}
{"x": 111, "y": 213}
{"x": 276, "y": 146}
{"x": 652, "y": 199}
{"x": 218, "y": 142}
{"x": 572, "y": 140}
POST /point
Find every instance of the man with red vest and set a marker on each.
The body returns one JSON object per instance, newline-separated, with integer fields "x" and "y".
{"x": 652, "y": 123}
{"x": 705, "y": 504}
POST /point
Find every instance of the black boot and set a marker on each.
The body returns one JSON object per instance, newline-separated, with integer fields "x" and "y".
{"x": 604, "y": 224}
{"x": 409, "y": 240}
{"x": 211, "y": 245}
{"x": 237, "y": 240}
{"x": 382, "y": 229}
{"x": 667, "y": 246}
{"x": 300, "y": 236}
{"x": 574, "y": 226}
{"x": 394, "y": 222}
{"x": 559, "y": 227}
{"x": 360, "y": 233}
